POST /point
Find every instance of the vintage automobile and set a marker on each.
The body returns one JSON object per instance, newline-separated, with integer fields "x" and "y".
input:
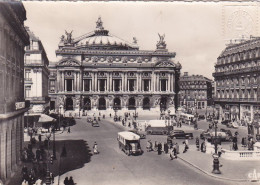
{"x": 89, "y": 120}
{"x": 232, "y": 125}
{"x": 95, "y": 123}
{"x": 201, "y": 116}
{"x": 225, "y": 122}
{"x": 223, "y": 136}
{"x": 142, "y": 134}
{"x": 129, "y": 142}
{"x": 158, "y": 127}
{"x": 228, "y": 132}
{"x": 180, "y": 134}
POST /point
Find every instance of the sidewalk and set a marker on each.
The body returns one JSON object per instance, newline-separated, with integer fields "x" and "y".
{"x": 238, "y": 171}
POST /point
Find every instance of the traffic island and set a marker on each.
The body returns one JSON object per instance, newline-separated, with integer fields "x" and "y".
{"x": 237, "y": 171}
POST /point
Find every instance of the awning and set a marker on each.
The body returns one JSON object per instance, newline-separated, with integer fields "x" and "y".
{"x": 45, "y": 118}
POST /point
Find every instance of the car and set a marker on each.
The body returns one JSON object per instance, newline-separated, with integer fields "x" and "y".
{"x": 228, "y": 132}
{"x": 43, "y": 130}
{"x": 225, "y": 122}
{"x": 201, "y": 117}
{"x": 89, "y": 120}
{"x": 208, "y": 135}
{"x": 95, "y": 123}
{"x": 232, "y": 125}
{"x": 180, "y": 134}
{"x": 142, "y": 134}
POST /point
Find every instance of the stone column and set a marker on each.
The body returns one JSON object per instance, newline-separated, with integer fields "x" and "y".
{"x": 111, "y": 82}
{"x": 92, "y": 80}
{"x": 59, "y": 81}
{"x": 83, "y": 85}
{"x": 169, "y": 82}
{"x": 107, "y": 82}
{"x": 123, "y": 81}
{"x": 98, "y": 84}
{"x": 149, "y": 85}
{"x": 126, "y": 80}
{"x": 65, "y": 81}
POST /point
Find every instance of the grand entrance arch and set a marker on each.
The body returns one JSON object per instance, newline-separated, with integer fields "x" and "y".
{"x": 69, "y": 103}
{"x": 87, "y": 104}
{"x": 146, "y": 103}
{"x": 101, "y": 104}
{"x": 117, "y": 103}
{"x": 163, "y": 103}
{"x": 131, "y": 103}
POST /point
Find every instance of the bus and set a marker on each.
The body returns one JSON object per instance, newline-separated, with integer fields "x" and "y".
{"x": 186, "y": 118}
{"x": 129, "y": 143}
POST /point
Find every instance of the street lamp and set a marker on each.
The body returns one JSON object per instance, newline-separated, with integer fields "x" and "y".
{"x": 60, "y": 107}
{"x": 30, "y": 131}
{"x": 54, "y": 145}
{"x": 48, "y": 178}
{"x": 215, "y": 155}
{"x": 27, "y": 119}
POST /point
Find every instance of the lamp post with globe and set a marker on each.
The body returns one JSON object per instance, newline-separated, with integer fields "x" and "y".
{"x": 215, "y": 155}
{"x": 48, "y": 177}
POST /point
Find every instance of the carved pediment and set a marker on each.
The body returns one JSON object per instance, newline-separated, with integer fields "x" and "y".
{"x": 69, "y": 62}
{"x": 165, "y": 64}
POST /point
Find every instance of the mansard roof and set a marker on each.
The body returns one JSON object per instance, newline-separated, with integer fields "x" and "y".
{"x": 243, "y": 45}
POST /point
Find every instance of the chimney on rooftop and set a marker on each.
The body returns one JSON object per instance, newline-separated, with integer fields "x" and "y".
{"x": 185, "y": 74}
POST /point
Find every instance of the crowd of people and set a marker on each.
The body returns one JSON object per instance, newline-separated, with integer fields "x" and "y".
{"x": 172, "y": 149}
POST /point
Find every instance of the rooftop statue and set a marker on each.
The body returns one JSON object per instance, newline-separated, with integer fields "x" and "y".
{"x": 161, "y": 43}
{"x": 99, "y": 24}
{"x": 134, "y": 40}
{"x": 69, "y": 37}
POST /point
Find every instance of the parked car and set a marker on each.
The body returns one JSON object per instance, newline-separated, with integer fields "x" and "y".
{"x": 228, "y": 132}
{"x": 201, "y": 117}
{"x": 225, "y": 122}
{"x": 95, "y": 123}
{"x": 89, "y": 120}
{"x": 232, "y": 125}
{"x": 142, "y": 134}
{"x": 209, "y": 135}
{"x": 180, "y": 134}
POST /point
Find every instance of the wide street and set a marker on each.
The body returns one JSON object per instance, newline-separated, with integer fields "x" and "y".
{"x": 112, "y": 166}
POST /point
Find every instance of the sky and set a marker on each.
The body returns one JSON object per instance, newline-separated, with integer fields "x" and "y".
{"x": 197, "y": 32}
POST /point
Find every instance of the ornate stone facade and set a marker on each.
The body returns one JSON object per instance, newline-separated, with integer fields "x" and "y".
{"x": 101, "y": 71}
{"x": 237, "y": 76}
{"x": 13, "y": 38}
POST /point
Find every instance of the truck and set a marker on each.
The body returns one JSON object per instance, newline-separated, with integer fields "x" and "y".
{"x": 158, "y": 127}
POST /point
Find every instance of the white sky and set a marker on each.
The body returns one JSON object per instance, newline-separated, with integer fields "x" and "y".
{"x": 197, "y": 32}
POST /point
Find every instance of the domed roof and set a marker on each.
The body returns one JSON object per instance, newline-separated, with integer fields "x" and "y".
{"x": 101, "y": 39}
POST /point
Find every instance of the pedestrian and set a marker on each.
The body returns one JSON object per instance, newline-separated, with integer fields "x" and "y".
{"x": 203, "y": 146}
{"x": 66, "y": 181}
{"x": 38, "y": 182}
{"x": 148, "y": 146}
{"x": 69, "y": 130}
{"x": 155, "y": 146}
{"x": 40, "y": 138}
{"x": 175, "y": 152}
{"x": 177, "y": 148}
{"x": 71, "y": 181}
{"x": 25, "y": 182}
{"x": 235, "y": 143}
{"x": 159, "y": 148}
{"x": 38, "y": 154}
{"x": 171, "y": 153}
{"x": 185, "y": 147}
{"x": 166, "y": 148}
{"x": 198, "y": 143}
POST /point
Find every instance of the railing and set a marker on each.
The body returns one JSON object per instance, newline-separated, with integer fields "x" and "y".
{"x": 28, "y": 79}
{"x": 235, "y": 71}
{"x": 240, "y": 155}
{"x": 28, "y": 61}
